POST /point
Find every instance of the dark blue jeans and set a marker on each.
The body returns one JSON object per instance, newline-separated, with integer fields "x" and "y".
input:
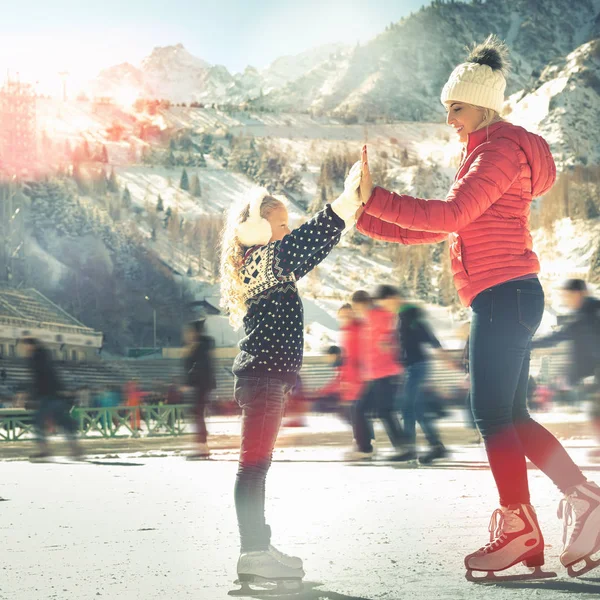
{"x": 505, "y": 318}
{"x": 58, "y": 411}
{"x": 262, "y": 400}
{"x": 414, "y": 409}
{"x": 378, "y": 398}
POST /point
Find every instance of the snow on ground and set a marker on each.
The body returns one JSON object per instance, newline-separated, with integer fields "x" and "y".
{"x": 158, "y": 528}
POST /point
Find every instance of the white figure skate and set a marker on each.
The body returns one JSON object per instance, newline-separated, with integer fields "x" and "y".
{"x": 515, "y": 537}
{"x": 265, "y": 571}
{"x": 581, "y": 508}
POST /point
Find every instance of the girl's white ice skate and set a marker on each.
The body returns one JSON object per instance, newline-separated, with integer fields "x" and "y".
{"x": 265, "y": 571}
{"x": 515, "y": 537}
{"x": 293, "y": 562}
{"x": 581, "y": 508}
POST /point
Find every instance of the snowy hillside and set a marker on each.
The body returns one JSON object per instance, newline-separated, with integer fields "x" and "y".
{"x": 401, "y": 72}
{"x": 563, "y": 105}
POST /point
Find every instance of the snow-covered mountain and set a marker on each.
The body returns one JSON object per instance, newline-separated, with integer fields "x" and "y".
{"x": 401, "y": 72}
{"x": 289, "y": 68}
{"x": 398, "y": 74}
{"x": 563, "y": 105}
{"x": 169, "y": 72}
{"x": 173, "y": 73}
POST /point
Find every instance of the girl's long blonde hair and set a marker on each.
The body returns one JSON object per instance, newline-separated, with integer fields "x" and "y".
{"x": 232, "y": 258}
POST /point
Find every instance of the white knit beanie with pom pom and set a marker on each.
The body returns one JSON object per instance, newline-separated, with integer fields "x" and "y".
{"x": 481, "y": 80}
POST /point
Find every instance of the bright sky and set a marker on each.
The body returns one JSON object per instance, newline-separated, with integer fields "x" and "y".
{"x": 39, "y": 38}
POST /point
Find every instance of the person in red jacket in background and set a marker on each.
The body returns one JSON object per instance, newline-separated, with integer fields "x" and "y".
{"x": 381, "y": 370}
{"x": 485, "y": 216}
{"x": 327, "y": 398}
{"x": 351, "y": 373}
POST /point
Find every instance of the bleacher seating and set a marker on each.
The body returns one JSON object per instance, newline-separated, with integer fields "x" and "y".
{"x": 29, "y": 304}
{"x": 152, "y": 372}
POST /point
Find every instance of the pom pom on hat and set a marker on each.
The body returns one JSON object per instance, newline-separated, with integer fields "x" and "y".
{"x": 481, "y": 80}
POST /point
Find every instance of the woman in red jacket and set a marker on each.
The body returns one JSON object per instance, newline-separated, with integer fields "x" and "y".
{"x": 486, "y": 218}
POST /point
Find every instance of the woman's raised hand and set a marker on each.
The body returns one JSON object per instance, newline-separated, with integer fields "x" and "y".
{"x": 366, "y": 183}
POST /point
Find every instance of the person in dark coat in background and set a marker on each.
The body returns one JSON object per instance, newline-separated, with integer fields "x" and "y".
{"x": 199, "y": 376}
{"x": 414, "y": 335}
{"x": 582, "y": 332}
{"x": 46, "y": 391}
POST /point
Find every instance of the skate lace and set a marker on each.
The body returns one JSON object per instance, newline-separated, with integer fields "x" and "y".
{"x": 571, "y": 506}
{"x": 279, "y": 554}
{"x": 501, "y": 523}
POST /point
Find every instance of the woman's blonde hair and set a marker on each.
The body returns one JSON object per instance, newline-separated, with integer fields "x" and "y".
{"x": 232, "y": 258}
{"x": 489, "y": 116}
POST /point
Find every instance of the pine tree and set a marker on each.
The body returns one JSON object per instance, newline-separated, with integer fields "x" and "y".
{"x": 423, "y": 285}
{"x": 170, "y": 161}
{"x": 126, "y": 198}
{"x": 100, "y": 183}
{"x": 160, "y": 205}
{"x": 113, "y": 185}
{"x": 184, "y": 183}
{"x": 82, "y": 184}
{"x": 195, "y": 188}
{"x": 153, "y": 234}
{"x": 594, "y": 275}
{"x": 189, "y": 271}
{"x": 167, "y": 218}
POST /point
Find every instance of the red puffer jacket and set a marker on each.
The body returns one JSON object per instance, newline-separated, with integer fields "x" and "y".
{"x": 351, "y": 372}
{"x": 380, "y": 345}
{"x": 486, "y": 211}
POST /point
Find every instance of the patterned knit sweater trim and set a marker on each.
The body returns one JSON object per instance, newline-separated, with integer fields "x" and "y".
{"x": 274, "y": 321}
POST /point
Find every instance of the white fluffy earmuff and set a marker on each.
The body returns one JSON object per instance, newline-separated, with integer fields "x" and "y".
{"x": 255, "y": 230}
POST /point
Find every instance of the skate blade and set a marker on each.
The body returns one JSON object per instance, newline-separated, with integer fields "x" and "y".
{"x": 259, "y": 586}
{"x": 589, "y": 564}
{"x": 491, "y": 577}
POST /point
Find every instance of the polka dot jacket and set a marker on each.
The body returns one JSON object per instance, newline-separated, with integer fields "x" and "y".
{"x": 274, "y": 322}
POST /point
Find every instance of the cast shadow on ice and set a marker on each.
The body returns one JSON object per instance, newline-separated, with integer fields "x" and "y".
{"x": 309, "y": 592}
{"x": 578, "y": 587}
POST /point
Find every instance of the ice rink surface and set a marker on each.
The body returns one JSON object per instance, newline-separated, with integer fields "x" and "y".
{"x": 140, "y": 527}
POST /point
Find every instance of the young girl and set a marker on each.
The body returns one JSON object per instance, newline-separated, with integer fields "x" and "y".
{"x": 261, "y": 260}
{"x": 486, "y": 217}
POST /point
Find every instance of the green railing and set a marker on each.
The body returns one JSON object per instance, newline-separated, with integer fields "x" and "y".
{"x": 114, "y": 422}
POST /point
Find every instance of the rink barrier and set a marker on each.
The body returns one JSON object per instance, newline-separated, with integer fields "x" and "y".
{"x": 106, "y": 423}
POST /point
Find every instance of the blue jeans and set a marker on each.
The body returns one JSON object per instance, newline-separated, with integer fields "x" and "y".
{"x": 414, "y": 409}
{"x": 505, "y": 318}
{"x": 262, "y": 400}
